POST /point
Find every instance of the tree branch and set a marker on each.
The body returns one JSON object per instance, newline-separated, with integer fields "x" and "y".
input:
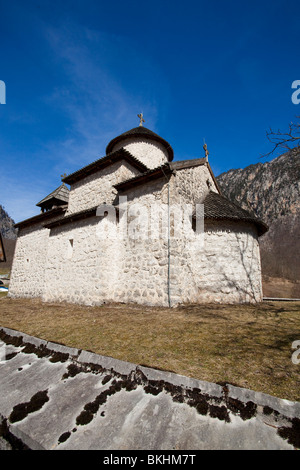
{"x": 289, "y": 141}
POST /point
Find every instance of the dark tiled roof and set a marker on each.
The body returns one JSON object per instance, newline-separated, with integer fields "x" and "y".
{"x": 42, "y": 217}
{"x": 182, "y": 164}
{"x": 155, "y": 173}
{"x": 80, "y": 215}
{"x": 159, "y": 172}
{"x": 218, "y": 207}
{"x": 103, "y": 162}
{"x": 61, "y": 194}
{"x": 84, "y": 214}
{"x": 141, "y": 131}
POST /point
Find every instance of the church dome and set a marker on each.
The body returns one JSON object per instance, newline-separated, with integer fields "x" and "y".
{"x": 141, "y": 142}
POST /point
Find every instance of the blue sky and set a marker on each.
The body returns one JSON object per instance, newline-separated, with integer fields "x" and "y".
{"x": 77, "y": 73}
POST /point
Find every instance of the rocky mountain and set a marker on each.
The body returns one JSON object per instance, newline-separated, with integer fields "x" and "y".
{"x": 269, "y": 189}
{"x": 272, "y": 191}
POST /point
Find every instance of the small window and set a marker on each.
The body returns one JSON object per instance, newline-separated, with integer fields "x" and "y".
{"x": 209, "y": 183}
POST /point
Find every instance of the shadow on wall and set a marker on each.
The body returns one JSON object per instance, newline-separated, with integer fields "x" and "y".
{"x": 239, "y": 274}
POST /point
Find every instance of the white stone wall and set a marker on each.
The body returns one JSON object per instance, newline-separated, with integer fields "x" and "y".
{"x": 27, "y": 275}
{"x": 86, "y": 272}
{"x": 222, "y": 265}
{"x": 98, "y": 187}
{"x": 192, "y": 184}
{"x": 143, "y": 273}
{"x": 104, "y": 263}
{"x": 151, "y": 153}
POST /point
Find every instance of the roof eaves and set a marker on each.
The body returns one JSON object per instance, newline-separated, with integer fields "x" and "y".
{"x": 182, "y": 164}
{"x": 91, "y": 212}
{"x": 41, "y": 217}
{"x": 214, "y": 178}
{"x": 217, "y": 207}
{"x": 160, "y": 171}
{"x": 61, "y": 193}
{"x": 103, "y": 162}
{"x": 149, "y": 175}
{"x": 76, "y": 216}
{"x": 261, "y": 226}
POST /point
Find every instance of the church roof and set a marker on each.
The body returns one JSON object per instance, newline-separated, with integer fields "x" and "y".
{"x": 80, "y": 215}
{"x": 141, "y": 131}
{"x": 59, "y": 211}
{"x": 218, "y": 207}
{"x": 161, "y": 171}
{"x": 59, "y": 194}
{"x": 103, "y": 162}
{"x": 84, "y": 214}
{"x": 148, "y": 175}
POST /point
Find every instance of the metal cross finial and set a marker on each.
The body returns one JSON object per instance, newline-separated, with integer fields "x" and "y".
{"x": 141, "y": 119}
{"x": 63, "y": 176}
{"x": 206, "y": 151}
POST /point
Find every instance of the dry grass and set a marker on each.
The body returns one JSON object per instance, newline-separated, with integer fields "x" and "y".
{"x": 246, "y": 345}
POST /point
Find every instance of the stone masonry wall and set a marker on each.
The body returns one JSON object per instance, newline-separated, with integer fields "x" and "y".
{"x": 221, "y": 265}
{"x": 27, "y": 275}
{"x": 109, "y": 260}
{"x": 190, "y": 185}
{"x": 98, "y": 188}
{"x": 143, "y": 273}
{"x": 28, "y": 268}
{"x": 83, "y": 260}
{"x": 151, "y": 153}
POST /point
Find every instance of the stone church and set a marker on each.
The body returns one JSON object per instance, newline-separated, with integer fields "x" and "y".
{"x": 136, "y": 226}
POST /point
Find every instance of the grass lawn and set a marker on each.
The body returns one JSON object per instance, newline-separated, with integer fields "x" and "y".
{"x": 246, "y": 345}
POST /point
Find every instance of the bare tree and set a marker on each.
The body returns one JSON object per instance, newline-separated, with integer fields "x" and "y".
{"x": 287, "y": 141}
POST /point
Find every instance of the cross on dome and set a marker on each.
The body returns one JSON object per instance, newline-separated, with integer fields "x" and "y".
{"x": 141, "y": 119}
{"x": 206, "y": 151}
